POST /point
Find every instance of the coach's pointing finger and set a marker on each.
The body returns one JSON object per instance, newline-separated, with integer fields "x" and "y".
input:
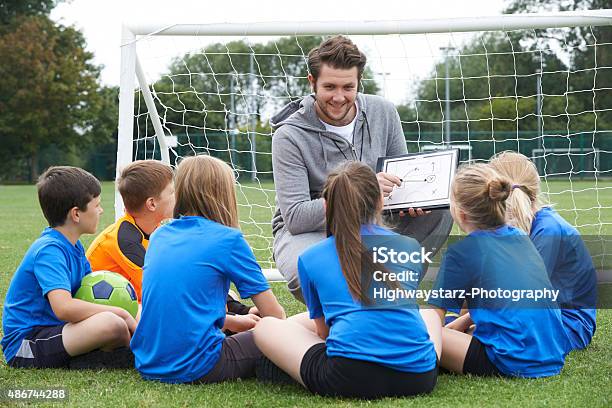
{"x": 387, "y": 182}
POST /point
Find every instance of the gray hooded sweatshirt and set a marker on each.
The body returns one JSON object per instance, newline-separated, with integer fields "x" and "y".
{"x": 304, "y": 153}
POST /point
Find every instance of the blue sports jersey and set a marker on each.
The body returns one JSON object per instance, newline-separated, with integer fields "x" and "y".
{"x": 571, "y": 270}
{"x": 522, "y": 338}
{"x": 52, "y": 262}
{"x": 393, "y": 336}
{"x": 186, "y": 276}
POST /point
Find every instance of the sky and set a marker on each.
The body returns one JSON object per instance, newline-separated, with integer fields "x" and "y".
{"x": 101, "y": 23}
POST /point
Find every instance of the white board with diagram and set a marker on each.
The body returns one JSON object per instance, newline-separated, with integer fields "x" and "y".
{"x": 426, "y": 179}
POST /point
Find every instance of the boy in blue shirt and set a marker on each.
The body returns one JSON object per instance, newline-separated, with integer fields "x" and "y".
{"x": 44, "y": 326}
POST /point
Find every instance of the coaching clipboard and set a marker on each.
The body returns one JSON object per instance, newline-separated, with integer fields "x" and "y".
{"x": 426, "y": 179}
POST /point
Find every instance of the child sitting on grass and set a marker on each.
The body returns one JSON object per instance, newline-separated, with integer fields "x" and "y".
{"x": 489, "y": 269}
{"x": 44, "y": 326}
{"x": 354, "y": 346}
{"x": 567, "y": 259}
{"x": 187, "y": 272}
{"x": 147, "y": 190}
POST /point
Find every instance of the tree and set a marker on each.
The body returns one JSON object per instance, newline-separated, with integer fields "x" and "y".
{"x": 586, "y": 47}
{"x": 48, "y": 92}
{"x": 11, "y": 9}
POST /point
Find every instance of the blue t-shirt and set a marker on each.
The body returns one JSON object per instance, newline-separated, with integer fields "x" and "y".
{"x": 186, "y": 276}
{"x": 392, "y": 336}
{"x": 571, "y": 270}
{"x": 522, "y": 337}
{"x": 52, "y": 262}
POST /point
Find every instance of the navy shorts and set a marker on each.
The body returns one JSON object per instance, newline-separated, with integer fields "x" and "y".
{"x": 43, "y": 347}
{"x": 345, "y": 377}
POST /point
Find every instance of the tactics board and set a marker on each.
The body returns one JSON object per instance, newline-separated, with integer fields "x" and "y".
{"x": 426, "y": 179}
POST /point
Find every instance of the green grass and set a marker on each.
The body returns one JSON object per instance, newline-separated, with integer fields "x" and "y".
{"x": 585, "y": 380}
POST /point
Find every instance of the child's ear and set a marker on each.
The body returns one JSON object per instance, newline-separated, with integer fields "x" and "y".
{"x": 73, "y": 215}
{"x": 150, "y": 204}
{"x": 462, "y": 216}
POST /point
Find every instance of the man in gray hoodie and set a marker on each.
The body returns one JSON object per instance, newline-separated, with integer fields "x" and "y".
{"x": 314, "y": 135}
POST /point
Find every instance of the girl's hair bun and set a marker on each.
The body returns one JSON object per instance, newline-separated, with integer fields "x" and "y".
{"x": 499, "y": 189}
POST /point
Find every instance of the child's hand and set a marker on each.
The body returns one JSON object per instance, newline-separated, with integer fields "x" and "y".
{"x": 240, "y": 323}
{"x": 462, "y": 323}
{"x": 254, "y": 311}
{"x": 127, "y": 317}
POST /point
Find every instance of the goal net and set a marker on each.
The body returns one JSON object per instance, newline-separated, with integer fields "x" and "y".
{"x": 537, "y": 84}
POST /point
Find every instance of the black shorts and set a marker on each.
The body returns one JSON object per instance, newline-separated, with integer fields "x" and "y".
{"x": 477, "y": 361}
{"x": 238, "y": 357}
{"x": 345, "y": 377}
{"x": 43, "y": 347}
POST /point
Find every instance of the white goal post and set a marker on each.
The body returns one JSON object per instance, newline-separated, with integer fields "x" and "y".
{"x": 479, "y": 124}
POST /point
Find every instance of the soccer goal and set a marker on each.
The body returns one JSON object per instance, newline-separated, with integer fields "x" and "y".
{"x": 540, "y": 84}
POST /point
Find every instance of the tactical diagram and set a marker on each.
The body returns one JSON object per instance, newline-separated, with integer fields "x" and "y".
{"x": 425, "y": 179}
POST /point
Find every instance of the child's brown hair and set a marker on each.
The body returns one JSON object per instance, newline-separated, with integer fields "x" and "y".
{"x": 143, "y": 179}
{"x": 61, "y": 188}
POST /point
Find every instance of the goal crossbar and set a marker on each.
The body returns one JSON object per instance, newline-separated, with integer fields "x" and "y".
{"x": 504, "y": 22}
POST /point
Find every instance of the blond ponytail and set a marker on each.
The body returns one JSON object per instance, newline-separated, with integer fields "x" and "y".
{"x": 481, "y": 193}
{"x": 524, "y": 201}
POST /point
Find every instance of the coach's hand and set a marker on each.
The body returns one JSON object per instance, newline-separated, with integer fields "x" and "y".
{"x": 414, "y": 212}
{"x": 388, "y": 182}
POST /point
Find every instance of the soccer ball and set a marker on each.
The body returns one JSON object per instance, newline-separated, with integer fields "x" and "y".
{"x": 110, "y": 289}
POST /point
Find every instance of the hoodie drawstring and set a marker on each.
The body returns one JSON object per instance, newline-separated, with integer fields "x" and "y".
{"x": 367, "y": 124}
{"x": 323, "y": 149}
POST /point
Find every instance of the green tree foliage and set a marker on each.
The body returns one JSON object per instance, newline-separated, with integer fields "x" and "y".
{"x": 487, "y": 77}
{"x": 587, "y": 48}
{"x": 493, "y": 87}
{"x": 48, "y": 92}
{"x": 11, "y": 9}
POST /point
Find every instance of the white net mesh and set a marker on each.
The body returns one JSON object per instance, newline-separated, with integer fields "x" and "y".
{"x": 545, "y": 93}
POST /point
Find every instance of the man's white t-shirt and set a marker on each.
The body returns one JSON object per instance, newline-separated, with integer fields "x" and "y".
{"x": 345, "y": 131}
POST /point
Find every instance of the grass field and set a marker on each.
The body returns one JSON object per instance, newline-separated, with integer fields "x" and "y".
{"x": 585, "y": 380}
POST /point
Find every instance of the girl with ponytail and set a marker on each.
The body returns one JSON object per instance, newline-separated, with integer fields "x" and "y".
{"x": 488, "y": 269}
{"x": 567, "y": 259}
{"x": 354, "y": 346}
